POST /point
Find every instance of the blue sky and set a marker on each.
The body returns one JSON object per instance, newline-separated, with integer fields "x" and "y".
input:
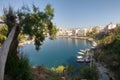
{"x": 75, "y": 13}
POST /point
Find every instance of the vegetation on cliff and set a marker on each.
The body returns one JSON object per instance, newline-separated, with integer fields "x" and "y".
{"x": 108, "y": 52}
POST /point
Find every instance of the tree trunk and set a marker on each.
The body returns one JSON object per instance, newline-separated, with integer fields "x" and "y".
{"x": 4, "y": 52}
{"x": 12, "y": 58}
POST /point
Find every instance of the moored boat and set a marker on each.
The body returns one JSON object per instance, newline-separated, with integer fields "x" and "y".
{"x": 80, "y": 59}
{"x": 84, "y": 56}
{"x": 81, "y": 53}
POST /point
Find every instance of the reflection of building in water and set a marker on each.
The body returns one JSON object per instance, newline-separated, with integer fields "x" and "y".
{"x": 82, "y": 32}
{"x": 85, "y": 42}
{"x": 69, "y": 40}
{"x": 76, "y": 42}
{"x": 65, "y": 39}
{"x": 73, "y": 41}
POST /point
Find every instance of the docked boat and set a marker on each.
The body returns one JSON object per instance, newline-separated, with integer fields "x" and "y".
{"x": 83, "y": 56}
{"x": 81, "y": 53}
{"x": 80, "y": 59}
{"x": 92, "y": 47}
{"x": 87, "y": 49}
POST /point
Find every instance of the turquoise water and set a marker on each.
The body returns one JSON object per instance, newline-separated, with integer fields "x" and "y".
{"x": 62, "y": 51}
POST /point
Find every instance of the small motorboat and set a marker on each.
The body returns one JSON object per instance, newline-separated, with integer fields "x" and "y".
{"x": 80, "y": 59}
{"x": 81, "y": 53}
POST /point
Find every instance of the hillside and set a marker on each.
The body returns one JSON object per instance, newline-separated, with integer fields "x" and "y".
{"x": 108, "y": 52}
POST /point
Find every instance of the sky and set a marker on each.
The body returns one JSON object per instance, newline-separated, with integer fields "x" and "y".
{"x": 75, "y": 13}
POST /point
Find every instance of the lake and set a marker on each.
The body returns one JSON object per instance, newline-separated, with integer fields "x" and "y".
{"x": 61, "y": 51}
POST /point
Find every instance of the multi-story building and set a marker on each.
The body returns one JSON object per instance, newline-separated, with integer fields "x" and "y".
{"x": 64, "y": 32}
{"x": 99, "y": 29}
{"x": 109, "y": 28}
{"x": 82, "y": 32}
{"x": 75, "y": 32}
{"x": 69, "y": 33}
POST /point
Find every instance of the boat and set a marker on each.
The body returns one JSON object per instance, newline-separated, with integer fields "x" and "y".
{"x": 94, "y": 44}
{"x": 80, "y": 59}
{"x": 87, "y": 49}
{"x": 92, "y": 47}
{"x": 81, "y": 53}
{"x": 84, "y": 56}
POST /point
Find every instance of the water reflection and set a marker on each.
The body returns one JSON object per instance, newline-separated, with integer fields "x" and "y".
{"x": 56, "y": 52}
{"x": 85, "y": 42}
{"x": 76, "y": 42}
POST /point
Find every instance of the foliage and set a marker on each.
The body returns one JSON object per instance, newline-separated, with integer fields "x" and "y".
{"x": 21, "y": 37}
{"x": 59, "y": 69}
{"x": 45, "y": 74}
{"x": 108, "y": 51}
{"x": 19, "y": 69}
{"x": 108, "y": 39}
{"x": 53, "y": 32}
{"x": 2, "y": 18}
{"x": 32, "y": 22}
{"x": 71, "y": 72}
{"x": 49, "y": 11}
{"x": 9, "y": 18}
{"x": 24, "y": 70}
{"x": 92, "y": 33}
{"x": 3, "y": 33}
{"x": 37, "y": 23}
{"x": 89, "y": 73}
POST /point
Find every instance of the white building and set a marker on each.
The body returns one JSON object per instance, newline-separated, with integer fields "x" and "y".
{"x": 61, "y": 32}
{"x": 99, "y": 29}
{"x": 110, "y": 27}
{"x": 82, "y": 32}
{"x": 69, "y": 33}
{"x": 75, "y": 32}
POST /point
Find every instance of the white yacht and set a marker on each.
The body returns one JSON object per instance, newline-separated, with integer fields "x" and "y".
{"x": 81, "y": 53}
{"x": 80, "y": 59}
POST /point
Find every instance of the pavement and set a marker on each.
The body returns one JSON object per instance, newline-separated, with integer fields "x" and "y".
{"x": 103, "y": 72}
